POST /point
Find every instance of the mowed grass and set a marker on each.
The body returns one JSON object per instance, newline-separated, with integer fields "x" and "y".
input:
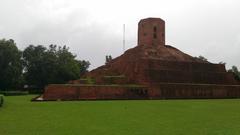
{"x": 19, "y": 116}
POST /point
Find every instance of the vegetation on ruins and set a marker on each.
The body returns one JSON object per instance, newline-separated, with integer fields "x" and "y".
{"x": 236, "y": 72}
{"x": 83, "y": 65}
{"x": 201, "y": 58}
{"x": 37, "y": 66}
{"x": 108, "y": 58}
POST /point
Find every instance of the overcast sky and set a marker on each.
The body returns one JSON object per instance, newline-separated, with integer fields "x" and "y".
{"x": 93, "y": 29}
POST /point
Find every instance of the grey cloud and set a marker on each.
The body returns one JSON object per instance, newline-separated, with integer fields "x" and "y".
{"x": 91, "y": 42}
{"x": 208, "y": 28}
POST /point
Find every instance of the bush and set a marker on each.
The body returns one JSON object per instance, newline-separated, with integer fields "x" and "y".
{"x": 118, "y": 79}
{"x": 35, "y": 91}
{"x": 88, "y": 80}
{"x": 235, "y": 72}
{"x": 1, "y": 100}
{"x": 13, "y": 93}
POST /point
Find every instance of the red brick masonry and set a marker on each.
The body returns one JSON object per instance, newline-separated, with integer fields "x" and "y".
{"x": 158, "y": 91}
{"x": 89, "y": 92}
{"x": 164, "y": 71}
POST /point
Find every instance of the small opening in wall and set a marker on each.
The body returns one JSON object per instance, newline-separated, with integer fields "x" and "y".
{"x": 155, "y": 32}
{"x": 154, "y": 35}
{"x": 155, "y": 29}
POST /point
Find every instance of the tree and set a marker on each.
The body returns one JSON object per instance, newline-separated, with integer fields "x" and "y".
{"x": 236, "y": 73}
{"x": 68, "y": 67}
{"x": 202, "y": 58}
{"x": 10, "y": 65}
{"x": 108, "y": 59}
{"x": 55, "y": 64}
{"x": 84, "y": 65}
{"x": 34, "y": 63}
{"x": 223, "y": 63}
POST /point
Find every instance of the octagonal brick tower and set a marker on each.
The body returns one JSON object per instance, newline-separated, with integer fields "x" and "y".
{"x": 151, "y": 31}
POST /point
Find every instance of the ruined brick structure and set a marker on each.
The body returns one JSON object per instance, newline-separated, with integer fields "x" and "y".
{"x": 151, "y": 70}
{"x": 151, "y": 31}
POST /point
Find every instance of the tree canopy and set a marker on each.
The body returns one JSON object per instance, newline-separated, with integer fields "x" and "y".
{"x": 236, "y": 72}
{"x": 54, "y": 64}
{"x": 202, "y": 58}
{"x": 37, "y": 66}
{"x": 10, "y": 65}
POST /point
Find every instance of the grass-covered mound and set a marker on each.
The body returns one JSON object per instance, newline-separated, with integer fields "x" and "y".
{"x": 135, "y": 117}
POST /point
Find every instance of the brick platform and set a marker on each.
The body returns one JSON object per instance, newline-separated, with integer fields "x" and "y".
{"x": 93, "y": 92}
{"x": 158, "y": 91}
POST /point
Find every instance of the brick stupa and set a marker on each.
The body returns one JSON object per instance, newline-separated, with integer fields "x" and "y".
{"x": 151, "y": 70}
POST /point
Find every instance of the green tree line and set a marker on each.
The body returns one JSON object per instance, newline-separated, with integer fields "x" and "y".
{"x": 37, "y": 66}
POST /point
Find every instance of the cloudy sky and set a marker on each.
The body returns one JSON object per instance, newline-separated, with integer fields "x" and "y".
{"x": 93, "y": 28}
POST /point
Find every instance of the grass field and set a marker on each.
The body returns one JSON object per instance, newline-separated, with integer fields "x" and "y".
{"x": 19, "y": 116}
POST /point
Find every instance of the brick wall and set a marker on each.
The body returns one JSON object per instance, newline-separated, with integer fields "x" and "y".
{"x": 151, "y": 31}
{"x": 156, "y": 91}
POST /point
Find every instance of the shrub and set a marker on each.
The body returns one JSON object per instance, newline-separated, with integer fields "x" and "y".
{"x": 1, "y": 100}
{"x": 235, "y": 72}
{"x": 34, "y": 91}
{"x": 13, "y": 93}
{"x": 114, "y": 79}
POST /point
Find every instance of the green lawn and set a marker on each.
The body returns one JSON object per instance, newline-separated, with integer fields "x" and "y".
{"x": 19, "y": 116}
